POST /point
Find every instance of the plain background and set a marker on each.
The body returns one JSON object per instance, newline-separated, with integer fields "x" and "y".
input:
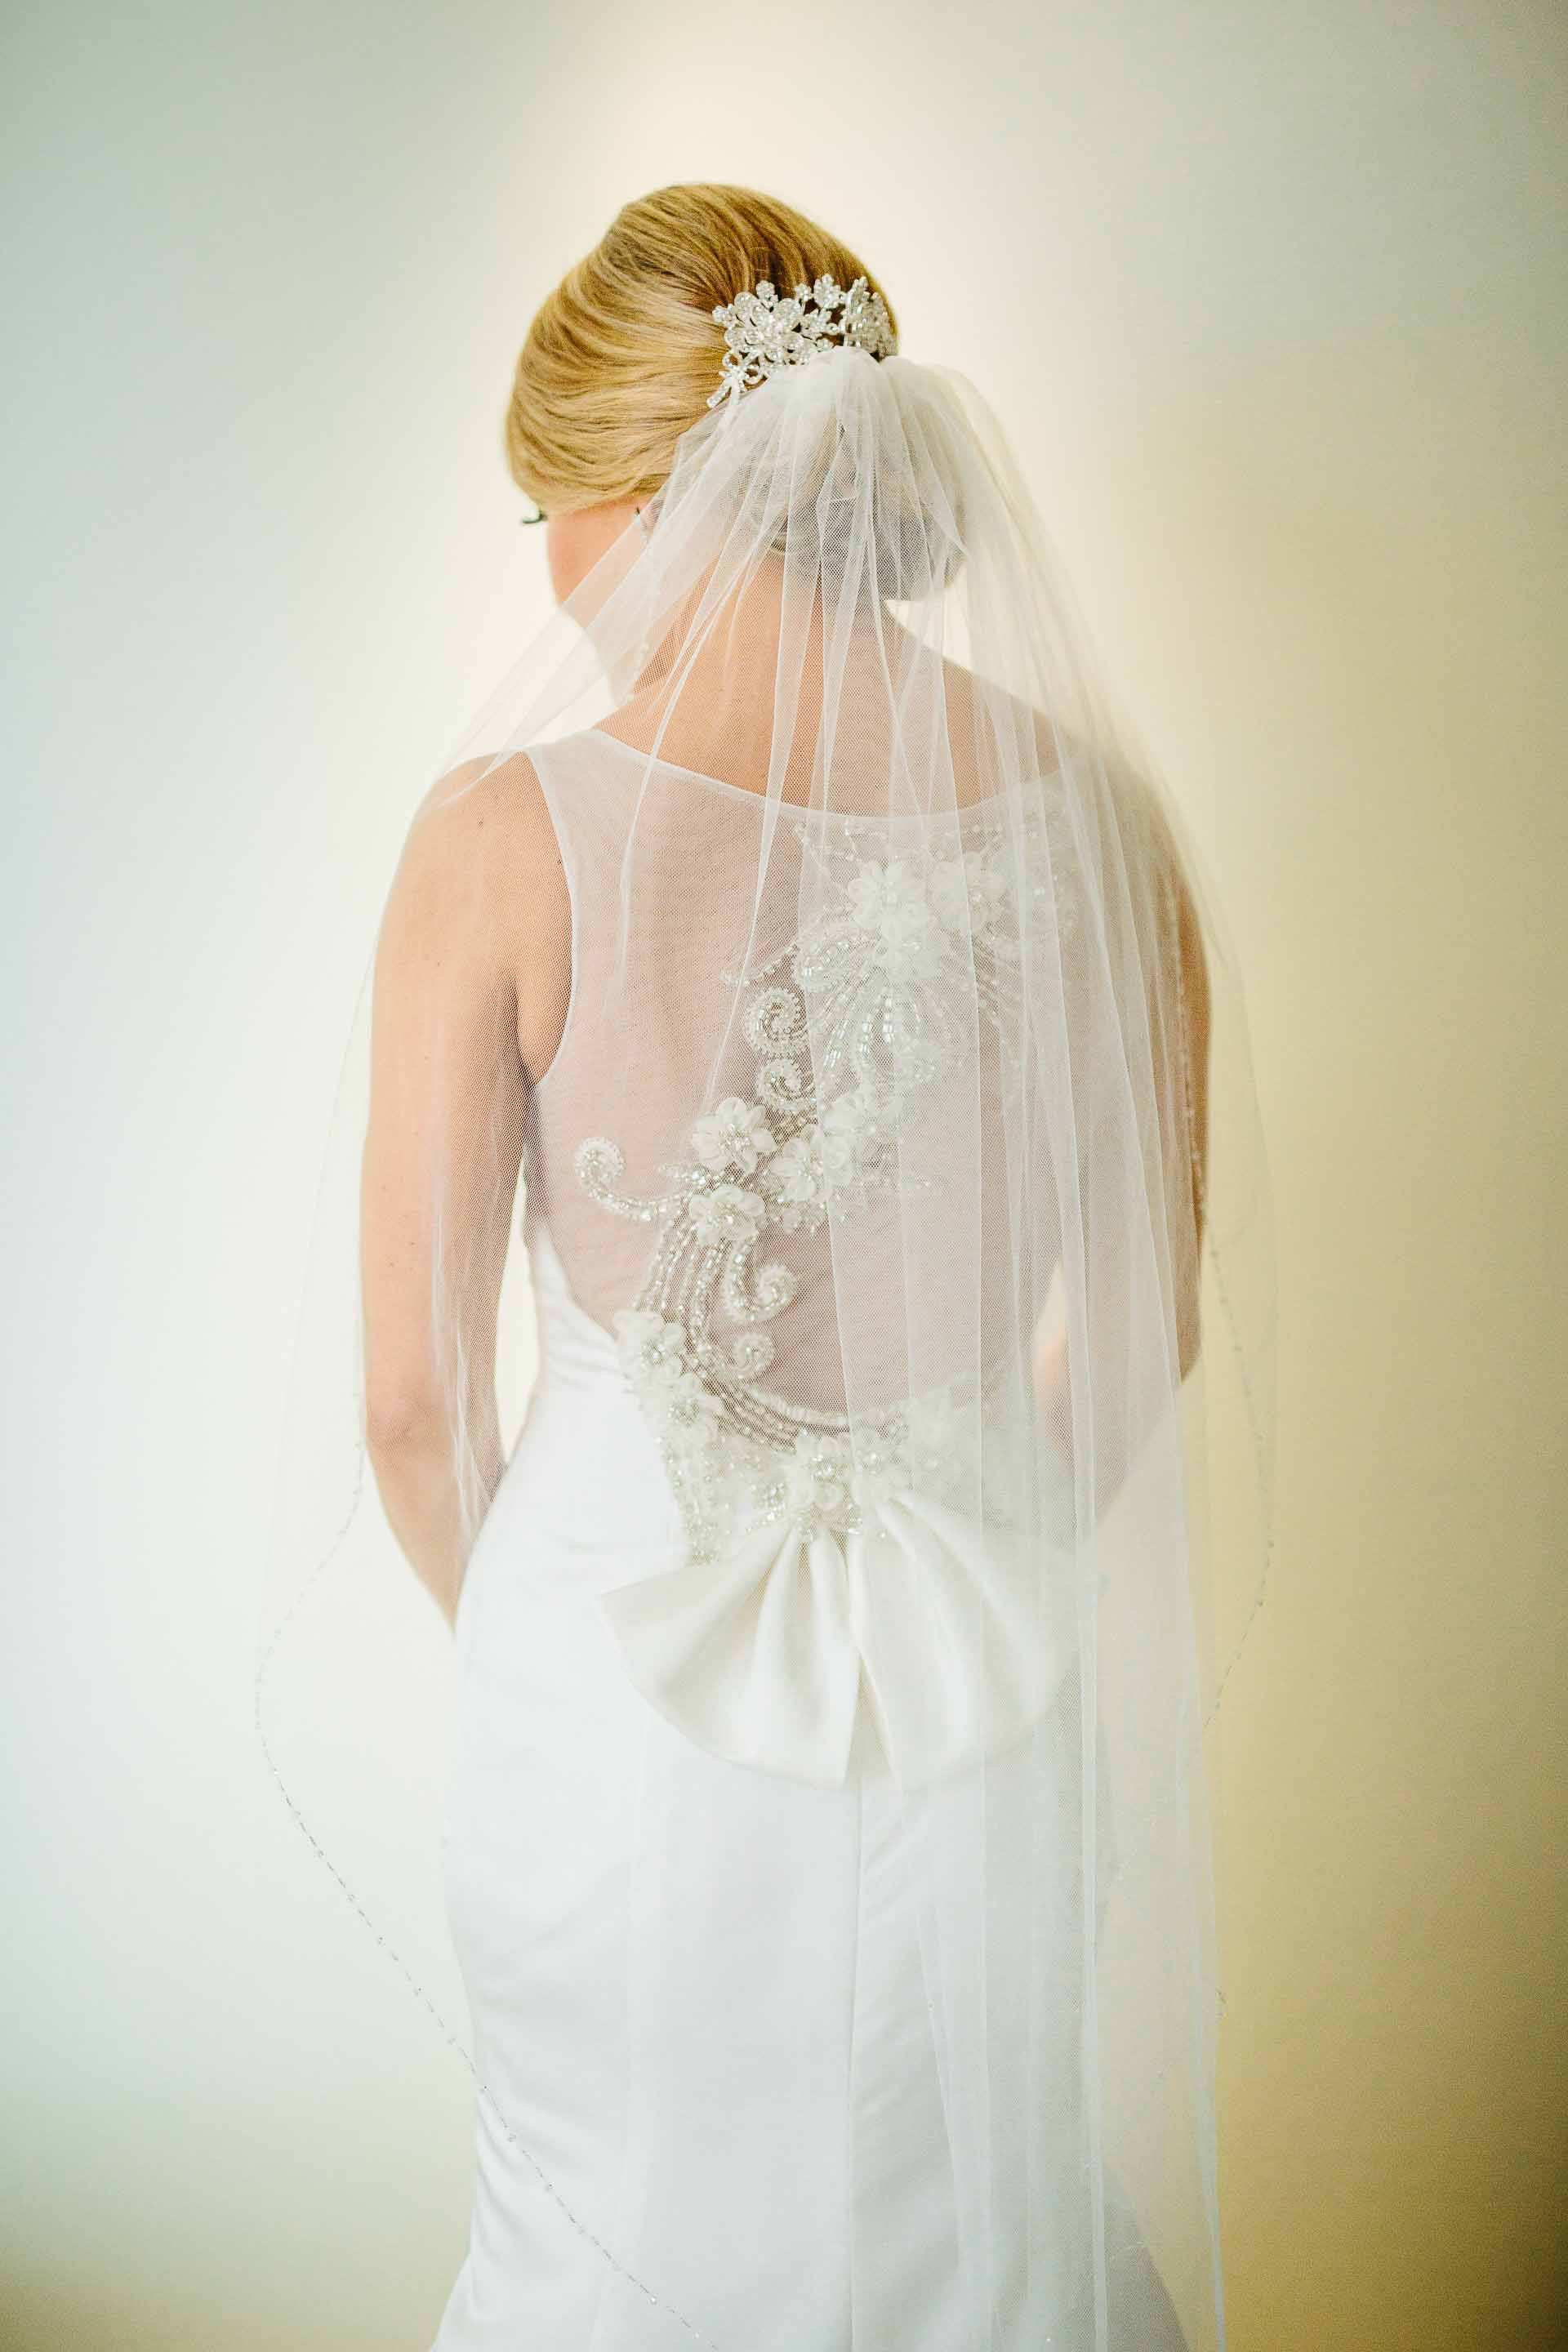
{"x": 1273, "y": 300}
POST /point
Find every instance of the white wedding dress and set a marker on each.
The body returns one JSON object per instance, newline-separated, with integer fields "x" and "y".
{"x": 698, "y": 1991}
{"x": 827, "y": 1847}
{"x": 776, "y": 2103}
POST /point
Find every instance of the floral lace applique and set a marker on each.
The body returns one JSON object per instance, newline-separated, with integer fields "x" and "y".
{"x": 849, "y": 1024}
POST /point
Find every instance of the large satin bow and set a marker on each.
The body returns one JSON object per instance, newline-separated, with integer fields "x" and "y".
{"x": 761, "y": 1655}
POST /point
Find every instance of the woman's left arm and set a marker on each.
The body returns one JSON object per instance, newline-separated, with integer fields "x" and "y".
{"x": 443, "y": 1149}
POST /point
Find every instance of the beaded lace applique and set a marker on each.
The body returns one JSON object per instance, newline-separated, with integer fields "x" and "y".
{"x": 849, "y": 1024}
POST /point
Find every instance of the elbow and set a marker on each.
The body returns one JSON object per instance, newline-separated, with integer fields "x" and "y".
{"x": 401, "y": 1423}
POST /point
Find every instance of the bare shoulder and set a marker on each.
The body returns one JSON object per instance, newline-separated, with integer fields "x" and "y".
{"x": 480, "y": 900}
{"x": 1032, "y": 732}
{"x": 486, "y": 825}
{"x": 485, "y": 804}
{"x": 1135, "y": 828}
{"x": 480, "y": 863}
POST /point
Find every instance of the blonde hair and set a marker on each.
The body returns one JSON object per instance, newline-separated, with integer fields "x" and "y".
{"x": 620, "y": 359}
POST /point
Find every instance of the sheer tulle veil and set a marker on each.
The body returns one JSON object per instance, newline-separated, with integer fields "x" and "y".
{"x": 942, "y": 1269}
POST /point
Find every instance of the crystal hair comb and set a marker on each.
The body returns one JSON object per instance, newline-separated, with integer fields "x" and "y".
{"x": 765, "y": 334}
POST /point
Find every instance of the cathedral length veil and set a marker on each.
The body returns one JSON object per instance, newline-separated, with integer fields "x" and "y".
{"x": 926, "y": 1198}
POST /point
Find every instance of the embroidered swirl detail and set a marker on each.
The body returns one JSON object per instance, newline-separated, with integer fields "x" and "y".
{"x": 849, "y": 1024}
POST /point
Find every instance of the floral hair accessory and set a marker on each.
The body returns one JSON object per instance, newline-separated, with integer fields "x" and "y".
{"x": 764, "y": 333}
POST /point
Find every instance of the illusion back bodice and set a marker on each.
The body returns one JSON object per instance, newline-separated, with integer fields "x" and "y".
{"x": 662, "y": 880}
{"x": 719, "y": 979}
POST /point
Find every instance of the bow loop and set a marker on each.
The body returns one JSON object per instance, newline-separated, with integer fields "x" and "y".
{"x": 938, "y": 1623}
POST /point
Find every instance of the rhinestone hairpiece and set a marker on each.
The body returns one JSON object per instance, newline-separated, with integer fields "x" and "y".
{"x": 764, "y": 333}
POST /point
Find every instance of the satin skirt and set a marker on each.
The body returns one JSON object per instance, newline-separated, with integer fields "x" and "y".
{"x": 711, "y": 2113}
{"x": 711, "y": 2108}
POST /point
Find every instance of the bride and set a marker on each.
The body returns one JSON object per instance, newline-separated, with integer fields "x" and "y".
{"x": 827, "y": 1854}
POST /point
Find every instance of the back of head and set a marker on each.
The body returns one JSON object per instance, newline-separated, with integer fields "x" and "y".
{"x": 622, "y": 358}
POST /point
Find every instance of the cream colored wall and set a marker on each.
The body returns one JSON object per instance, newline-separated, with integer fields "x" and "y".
{"x": 1273, "y": 297}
